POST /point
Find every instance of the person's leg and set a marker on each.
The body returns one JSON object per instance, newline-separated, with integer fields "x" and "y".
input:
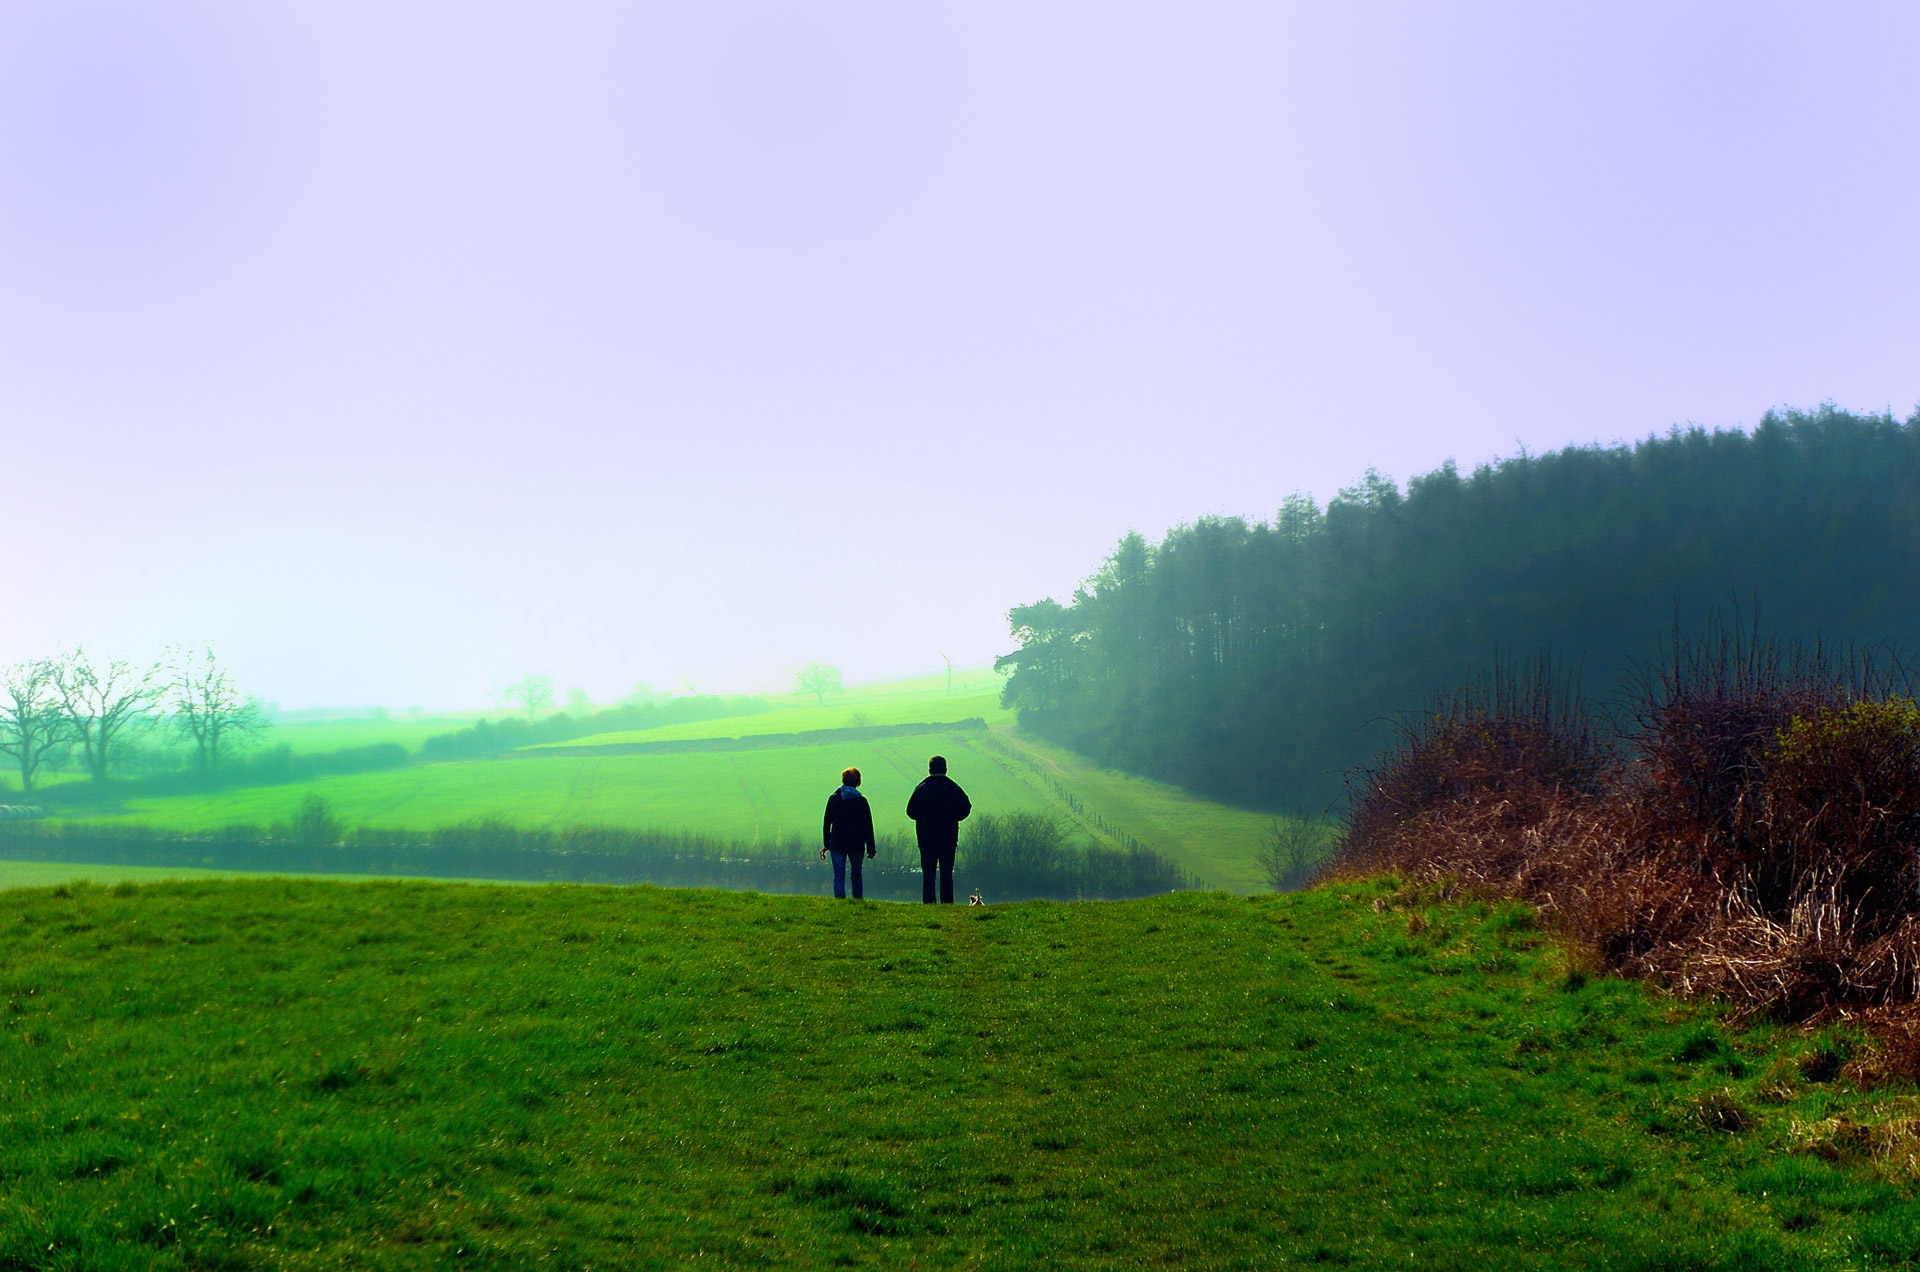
{"x": 856, "y": 860}
{"x": 946, "y": 876}
{"x": 929, "y": 867}
{"x": 839, "y": 873}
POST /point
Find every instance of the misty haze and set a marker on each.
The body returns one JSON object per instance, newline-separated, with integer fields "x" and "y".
{"x": 1220, "y": 635}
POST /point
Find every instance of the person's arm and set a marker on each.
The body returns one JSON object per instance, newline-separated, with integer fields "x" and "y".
{"x": 826, "y": 829}
{"x": 913, "y": 803}
{"x": 961, "y": 801}
{"x": 872, "y": 847}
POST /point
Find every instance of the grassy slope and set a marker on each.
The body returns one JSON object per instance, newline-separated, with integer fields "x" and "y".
{"x": 809, "y": 717}
{"x": 1217, "y": 842}
{"x": 748, "y": 795}
{"x": 335, "y": 735}
{"x": 763, "y": 794}
{"x": 306, "y": 1074}
{"x": 45, "y": 874}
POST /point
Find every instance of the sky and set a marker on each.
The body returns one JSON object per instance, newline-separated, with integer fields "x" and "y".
{"x": 401, "y": 350}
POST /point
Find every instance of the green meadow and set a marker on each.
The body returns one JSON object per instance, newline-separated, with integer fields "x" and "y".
{"x": 755, "y": 796}
{"x": 851, "y": 713}
{"x": 301, "y": 1074}
{"x": 754, "y": 793}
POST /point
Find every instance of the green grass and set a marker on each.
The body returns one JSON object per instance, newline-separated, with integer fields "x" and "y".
{"x": 337, "y": 735}
{"x": 757, "y": 795}
{"x": 805, "y": 719}
{"x": 1217, "y": 842}
{"x": 47, "y": 874}
{"x": 752, "y": 795}
{"x": 300, "y": 1075}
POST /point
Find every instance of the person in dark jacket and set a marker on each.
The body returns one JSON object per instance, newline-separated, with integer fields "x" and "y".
{"x": 937, "y": 808}
{"x": 847, "y": 832}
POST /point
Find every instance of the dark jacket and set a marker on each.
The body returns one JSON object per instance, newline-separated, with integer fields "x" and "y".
{"x": 849, "y": 824}
{"x": 937, "y": 808}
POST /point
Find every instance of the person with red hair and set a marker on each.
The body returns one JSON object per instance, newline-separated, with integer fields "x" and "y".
{"x": 847, "y": 831}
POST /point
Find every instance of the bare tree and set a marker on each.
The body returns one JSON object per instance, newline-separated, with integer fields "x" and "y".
{"x": 207, "y": 705}
{"x": 100, "y": 699}
{"x": 529, "y": 692}
{"x": 31, "y": 722}
{"x": 1294, "y": 848}
{"x": 817, "y": 679}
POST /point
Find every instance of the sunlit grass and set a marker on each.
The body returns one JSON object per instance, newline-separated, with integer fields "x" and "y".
{"x": 284, "y": 1074}
{"x": 852, "y": 714}
{"x": 751, "y": 796}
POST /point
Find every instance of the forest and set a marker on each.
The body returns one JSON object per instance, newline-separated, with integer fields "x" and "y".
{"x": 1264, "y": 661}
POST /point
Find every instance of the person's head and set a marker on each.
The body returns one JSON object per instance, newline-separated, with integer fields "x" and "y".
{"x": 937, "y": 765}
{"x": 850, "y": 777}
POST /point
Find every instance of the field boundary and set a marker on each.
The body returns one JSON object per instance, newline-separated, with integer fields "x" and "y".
{"x": 758, "y": 741}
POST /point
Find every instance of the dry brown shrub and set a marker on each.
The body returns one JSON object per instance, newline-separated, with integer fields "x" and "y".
{"x": 1762, "y": 843}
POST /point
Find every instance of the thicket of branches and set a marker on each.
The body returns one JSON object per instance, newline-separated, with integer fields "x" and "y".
{"x": 1259, "y": 661}
{"x": 80, "y": 703}
{"x": 1750, "y": 827}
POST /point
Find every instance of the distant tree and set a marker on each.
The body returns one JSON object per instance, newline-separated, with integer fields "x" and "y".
{"x": 578, "y": 703}
{"x": 530, "y": 693}
{"x": 100, "y": 699}
{"x": 31, "y": 721}
{"x": 314, "y": 824}
{"x": 817, "y": 679}
{"x": 206, "y": 704}
{"x": 1292, "y": 849}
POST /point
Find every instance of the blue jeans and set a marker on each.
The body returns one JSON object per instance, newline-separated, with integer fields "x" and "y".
{"x": 840, "y": 862}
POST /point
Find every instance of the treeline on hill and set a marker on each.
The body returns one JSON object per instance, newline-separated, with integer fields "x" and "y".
{"x": 281, "y": 765}
{"x": 1745, "y": 829}
{"x": 1012, "y": 857}
{"x": 1259, "y": 661}
{"x": 491, "y": 737}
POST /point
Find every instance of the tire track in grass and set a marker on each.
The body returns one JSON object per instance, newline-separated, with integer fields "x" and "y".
{"x": 588, "y": 775}
{"x": 755, "y": 793}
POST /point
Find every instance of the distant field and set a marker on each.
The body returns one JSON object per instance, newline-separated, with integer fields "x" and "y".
{"x": 759, "y": 795}
{"x": 752, "y": 795}
{"x": 47, "y": 874}
{"x": 337, "y": 735}
{"x": 1219, "y": 843}
{"x": 300, "y": 1075}
{"x": 806, "y": 719}
{"x": 44, "y": 874}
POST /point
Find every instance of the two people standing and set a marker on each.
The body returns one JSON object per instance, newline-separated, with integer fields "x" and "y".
{"x": 937, "y": 808}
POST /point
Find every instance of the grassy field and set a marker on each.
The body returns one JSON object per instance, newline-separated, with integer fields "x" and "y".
{"x": 45, "y": 874}
{"x": 48, "y": 874}
{"x": 810, "y": 717}
{"x": 305, "y": 1075}
{"x": 309, "y": 738}
{"x": 763, "y": 794}
{"x": 750, "y": 795}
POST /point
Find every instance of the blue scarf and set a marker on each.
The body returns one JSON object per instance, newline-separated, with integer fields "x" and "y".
{"x": 849, "y": 792}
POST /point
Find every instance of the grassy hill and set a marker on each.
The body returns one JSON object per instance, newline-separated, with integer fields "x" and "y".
{"x": 761, "y": 779}
{"x": 304, "y": 1074}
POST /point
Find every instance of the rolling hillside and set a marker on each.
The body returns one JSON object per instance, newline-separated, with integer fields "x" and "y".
{"x": 758, "y": 779}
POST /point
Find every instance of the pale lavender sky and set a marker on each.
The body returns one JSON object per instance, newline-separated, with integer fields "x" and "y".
{"x": 401, "y": 349}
